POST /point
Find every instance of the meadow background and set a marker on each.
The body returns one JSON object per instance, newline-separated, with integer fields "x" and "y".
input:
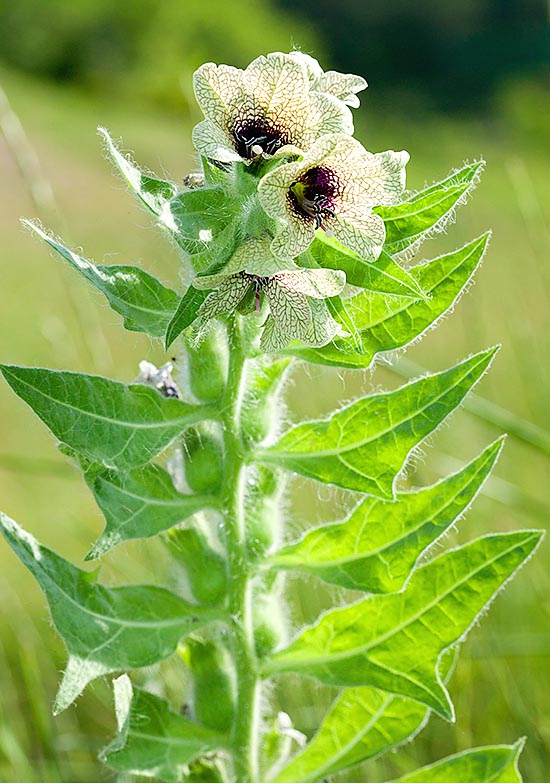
{"x": 449, "y": 82}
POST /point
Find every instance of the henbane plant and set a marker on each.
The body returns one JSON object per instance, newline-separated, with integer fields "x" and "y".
{"x": 296, "y": 246}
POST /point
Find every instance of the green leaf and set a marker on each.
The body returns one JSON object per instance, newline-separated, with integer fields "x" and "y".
{"x": 203, "y": 223}
{"x": 138, "y": 504}
{"x": 120, "y": 425}
{"x": 383, "y": 275}
{"x": 492, "y": 764}
{"x": 186, "y": 312}
{"x": 428, "y": 211}
{"x": 361, "y": 723}
{"x": 145, "y": 304}
{"x": 153, "y": 193}
{"x": 104, "y": 629}
{"x": 385, "y": 322}
{"x": 394, "y": 642}
{"x": 364, "y": 445}
{"x": 376, "y": 548}
{"x": 153, "y": 740}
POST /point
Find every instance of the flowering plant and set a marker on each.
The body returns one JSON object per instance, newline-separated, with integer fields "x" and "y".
{"x": 293, "y": 240}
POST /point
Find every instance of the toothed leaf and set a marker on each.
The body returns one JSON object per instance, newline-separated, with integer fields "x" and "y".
{"x": 394, "y": 642}
{"x": 121, "y": 425}
{"x": 364, "y": 445}
{"x": 104, "y": 629}
{"x": 376, "y": 548}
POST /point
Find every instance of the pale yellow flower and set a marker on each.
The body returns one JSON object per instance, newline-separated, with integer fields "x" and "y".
{"x": 333, "y": 187}
{"x": 343, "y": 86}
{"x": 294, "y": 296}
{"x": 258, "y": 111}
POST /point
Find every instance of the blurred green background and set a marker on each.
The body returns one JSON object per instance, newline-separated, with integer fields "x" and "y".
{"x": 449, "y": 82}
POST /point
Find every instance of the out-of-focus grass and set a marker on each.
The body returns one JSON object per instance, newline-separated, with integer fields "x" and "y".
{"x": 50, "y": 318}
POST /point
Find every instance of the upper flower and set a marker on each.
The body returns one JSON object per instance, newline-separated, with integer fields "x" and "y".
{"x": 334, "y": 187}
{"x": 294, "y": 296}
{"x": 271, "y": 104}
{"x": 343, "y": 86}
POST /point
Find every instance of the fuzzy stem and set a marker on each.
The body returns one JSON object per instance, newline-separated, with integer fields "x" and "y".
{"x": 244, "y": 734}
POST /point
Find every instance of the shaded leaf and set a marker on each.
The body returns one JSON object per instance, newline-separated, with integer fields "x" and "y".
{"x": 428, "y": 211}
{"x": 384, "y": 323}
{"x": 376, "y": 548}
{"x": 394, "y": 641}
{"x": 138, "y": 504}
{"x": 153, "y": 740}
{"x": 104, "y": 629}
{"x": 492, "y": 764}
{"x": 145, "y": 304}
{"x": 121, "y": 425}
{"x": 383, "y": 275}
{"x": 364, "y": 445}
{"x": 153, "y": 193}
{"x": 186, "y": 312}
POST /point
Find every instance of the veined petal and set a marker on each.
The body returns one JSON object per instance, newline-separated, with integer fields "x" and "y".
{"x": 318, "y": 283}
{"x": 218, "y": 88}
{"x": 213, "y": 142}
{"x": 229, "y": 294}
{"x": 364, "y": 233}
{"x": 289, "y": 308}
{"x": 293, "y": 239}
{"x": 342, "y": 85}
{"x": 279, "y": 87}
{"x": 323, "y": 326}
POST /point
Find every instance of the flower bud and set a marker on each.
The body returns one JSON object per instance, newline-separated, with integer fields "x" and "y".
{"x": 203, "y": 458}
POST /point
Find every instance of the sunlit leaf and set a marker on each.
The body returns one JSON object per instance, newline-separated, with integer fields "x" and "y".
{"x": 384, "y": 323}
{"x": 376, "y": 548}
{"x": 493, "y": 764}
{"x": 153, "y": 193}
{"x": 383, "y": 275}
{"x": 364, "y": 445}
{"x": 138, "y": 504}
{"x": 145, "y": 304}
{"x": 104, "y": 629}
{"x": 428, "y": 211}
{"x": 394, "y": 641}
{"x": 153, "y": 740}
{"x": 186, "y": 312}
{"x": 121, "y": 425}
{"x": 361, "y": 723}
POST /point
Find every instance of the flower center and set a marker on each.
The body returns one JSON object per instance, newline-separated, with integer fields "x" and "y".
{"x": 255, "y": 136}
{"x": 313, "y": 195}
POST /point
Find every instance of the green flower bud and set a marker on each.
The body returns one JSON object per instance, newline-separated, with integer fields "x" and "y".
{"x": 204, "y": 567}
{"x": 203, "y": 458}
{"x": 270, "y": 628}
{"x": 207, "y": 364}
{"x": 213, "y": 683}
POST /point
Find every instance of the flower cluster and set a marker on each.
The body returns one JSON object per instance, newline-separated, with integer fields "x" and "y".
{"x": 287, "y": 123}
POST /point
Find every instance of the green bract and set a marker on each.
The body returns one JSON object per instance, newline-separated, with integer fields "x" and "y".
{"x": 292, "y": 238}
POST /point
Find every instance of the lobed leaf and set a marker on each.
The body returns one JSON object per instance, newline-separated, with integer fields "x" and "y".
{"x": 377, "y": 546}
{"x": 428, "y": 211}
{"x": 383, "y": 275}
{"x": 493, "y": 764}
{"x": 384, "y": 323}
{"x": 153, "y": 740}
{"x": 145, "y": 304}
{"x": 394, "y": 642}
{"x": 362, "y": 723}
{"x": 104, "y": 629}
{"x": 138, "y": 504}
{"x": 152, "y": 192}
{"x": 120, "y": 425}
{"x": 364, "y": 445}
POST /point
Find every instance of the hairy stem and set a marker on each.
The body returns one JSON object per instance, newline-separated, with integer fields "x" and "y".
{"x": 245, "y": 723}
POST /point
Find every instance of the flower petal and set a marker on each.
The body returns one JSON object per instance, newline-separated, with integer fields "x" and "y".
{"x": 293, "y": 238}
{"x": 273, "y": 339}
{"x": 230, "y": 293}
{"x": 360, "y": 231}
{"x": 318, "y": 283}
{"x": 323, "y": 326}
{"x": 218, "y": 89}
{"x": 342, "y": 85}
{"x": 289, "y": 308}
{"x": 212, "y": 142}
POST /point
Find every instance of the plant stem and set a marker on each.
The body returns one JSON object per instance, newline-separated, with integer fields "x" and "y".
{"x": 245, "y": 724}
